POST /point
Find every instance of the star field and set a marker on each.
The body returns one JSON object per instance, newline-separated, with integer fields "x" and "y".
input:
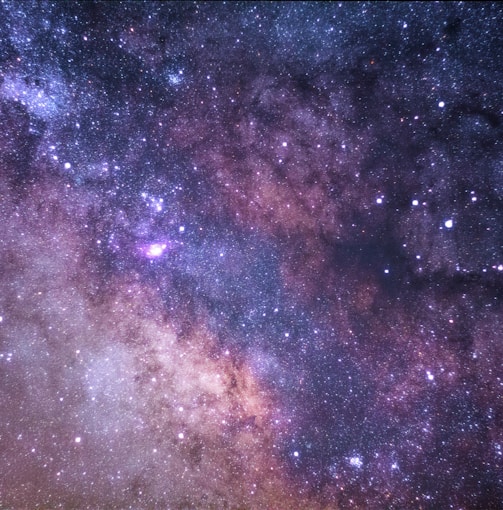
{"x": 251, "y": 255}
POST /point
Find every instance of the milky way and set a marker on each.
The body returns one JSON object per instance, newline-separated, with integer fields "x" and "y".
{"x": 251, "y": 255}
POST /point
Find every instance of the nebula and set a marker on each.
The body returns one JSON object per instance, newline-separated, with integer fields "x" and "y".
{"x": 250, "y": 256}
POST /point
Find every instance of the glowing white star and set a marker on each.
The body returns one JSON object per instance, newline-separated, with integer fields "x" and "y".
{"x": 156, "y": 250}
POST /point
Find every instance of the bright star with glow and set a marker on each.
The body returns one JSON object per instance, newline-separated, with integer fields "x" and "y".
{"x": 155, "y": 250}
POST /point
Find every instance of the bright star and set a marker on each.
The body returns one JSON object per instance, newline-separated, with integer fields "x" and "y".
{"x": 156, "y": 250}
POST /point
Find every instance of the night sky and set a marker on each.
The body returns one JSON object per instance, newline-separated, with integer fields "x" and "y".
{"x": 251, "y": 256}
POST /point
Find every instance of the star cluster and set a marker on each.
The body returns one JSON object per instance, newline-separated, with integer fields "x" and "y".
{"x": 251, "y": 255}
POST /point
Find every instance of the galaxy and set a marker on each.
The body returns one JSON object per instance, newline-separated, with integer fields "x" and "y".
{"x": 251, "y": 255}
